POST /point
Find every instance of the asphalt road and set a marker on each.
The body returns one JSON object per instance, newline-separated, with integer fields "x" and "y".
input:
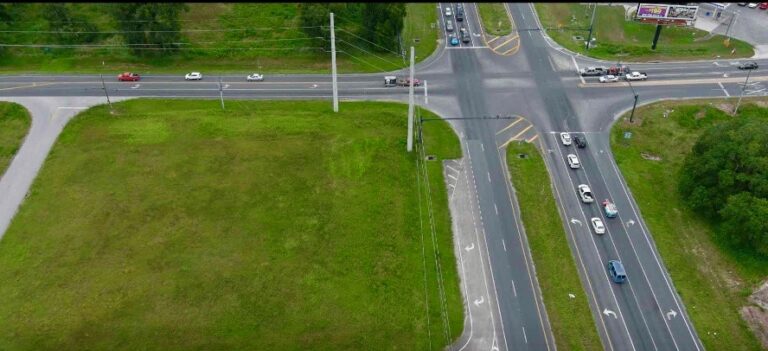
{"x": 539, "y": 89}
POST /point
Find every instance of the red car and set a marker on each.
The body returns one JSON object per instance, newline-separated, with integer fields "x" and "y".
{"x": 128, "y": 77}
{"x": 764, "y": 5}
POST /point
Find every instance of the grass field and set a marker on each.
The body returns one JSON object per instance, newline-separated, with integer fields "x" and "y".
{"x": 14, "y": 124}
{"x": 271, "y": 43}
{"x": 177, "y": 226}
{"x": 713, "y": 279}
{"x": 494, "y": 17}
{"x": 571, "y": 319}
{"x": 630, "y": 40}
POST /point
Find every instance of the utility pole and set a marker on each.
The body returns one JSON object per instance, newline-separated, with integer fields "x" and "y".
{"x": 221, "y": 94}
{"x": 656, "y": 37}
{"x": 742, "y": 93}
{"x": 410, "y": 105}
{"x": 632, "y": 115}
{"x": 591, "y": 25}
{"x": 333, "y": 68}
{"x": 104, "y": 86}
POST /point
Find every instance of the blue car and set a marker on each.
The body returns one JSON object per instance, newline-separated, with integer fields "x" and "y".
{"x": 454, "y": 41}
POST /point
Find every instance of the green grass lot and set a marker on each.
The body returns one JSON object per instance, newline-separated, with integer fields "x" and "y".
{"x": 495, "y": 20}
{"x": 713, "y": 279}
{"x": 260, "y": 48}
{"x": 14, "y": 125}
{"x": 174, "y": 225}
{"x": 630, "y": 40}
{"x": 571, "y": 319}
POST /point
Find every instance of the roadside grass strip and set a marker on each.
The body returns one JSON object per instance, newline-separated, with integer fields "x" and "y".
{"x": 495, "y": 19}
{"x": 571, "y": 320}
{"x": 14, "y": 125}
{"x": 713, "y": 279}
{"x": 275, "y": 225}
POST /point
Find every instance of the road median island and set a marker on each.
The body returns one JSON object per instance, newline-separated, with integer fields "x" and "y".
{"x": 628, "y": 40}
{"x": 216, "y": 37}
{"x": 495, "y": 19}
{"x": 570, "y": 317}
{"x": 713, "y": 278}
{"x": 14, "y": 125}
{"x": 175, "y": 225}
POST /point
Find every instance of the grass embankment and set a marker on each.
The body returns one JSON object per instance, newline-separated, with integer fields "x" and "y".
{"x": 14, "y": 125}
{"x": 495, "y": 19}
{"x": 177, "y": 226}
{"x": 272, "y": 42}
{"x": 630, "y": 40}
{"x": 713, "y": 279}
{"x": 571, "y": 319}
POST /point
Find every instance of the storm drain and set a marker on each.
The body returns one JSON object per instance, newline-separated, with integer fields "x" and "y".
{"x": 522, "y": 155}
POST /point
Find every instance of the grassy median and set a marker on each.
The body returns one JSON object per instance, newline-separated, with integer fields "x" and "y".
{"x": 14, "y": 125}
{"x": 174, "y": 225}
{"x": 214, "y": 41}
{"x": 713, "y": 279}
{"x": 571, "y": 319}
{"x": 629, "y": 40}
{"x": 495, "y": 19}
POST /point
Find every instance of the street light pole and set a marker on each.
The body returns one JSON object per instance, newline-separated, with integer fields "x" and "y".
{"x": 742, "y": 93}
{"x": 591, "y": 25}
{"x": 333, "y": 68}
{"x": 632, "y": 115}
{"x": 221, "y": 94}
{"x": 104, "y": 86}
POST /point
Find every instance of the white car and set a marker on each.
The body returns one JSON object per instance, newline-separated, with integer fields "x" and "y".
{"x": 636, "y": 76}
{"x": 448, "y": 12}
{"x": 752, "y": 5}
{"x": 255, "y": 77}
{"x": 573, "y": 161}
{"x": 565, "y": 138}
{"x": 193, "y": 76}
{"x": 585, "y": 194}
{"x": 597, "y": 225}
{"x": 609, "y": 79}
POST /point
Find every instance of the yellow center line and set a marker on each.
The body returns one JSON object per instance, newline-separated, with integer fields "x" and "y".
{"x": 492, "y": 40}
{"x": 515, "y": 137}
{"x": 505, "y": 42}
{"x": 532, "y": 139}
{"x": 512, "y": 49}
{"x": 510, "y": 126}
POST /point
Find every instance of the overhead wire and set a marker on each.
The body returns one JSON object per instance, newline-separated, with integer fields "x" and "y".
{"x": 366, "y": 51}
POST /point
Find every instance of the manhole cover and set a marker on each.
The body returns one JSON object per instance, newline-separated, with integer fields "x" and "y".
{"x": 431, "y": 157}
{"x": 522, "y": 155}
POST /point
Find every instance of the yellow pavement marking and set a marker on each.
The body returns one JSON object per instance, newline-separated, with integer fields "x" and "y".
{"x": 532, "y": 139}
{"x": 492, "y": 40}
{"x": 33, "y": 85}
{"x": 505, "y": 42}
{"x": 515, "y": 137}
{"x": 515, "y": 48}
{"x": 510, "y": 126}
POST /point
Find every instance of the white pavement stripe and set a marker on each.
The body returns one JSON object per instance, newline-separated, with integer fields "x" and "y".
{"x": 722, "y": 87}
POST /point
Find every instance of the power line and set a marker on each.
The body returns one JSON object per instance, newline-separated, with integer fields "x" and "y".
{"x": 171, "y": 43}
{"x": 363, "y": 61}
{"x": 368, "y": 52}
{"x": 155, "y": 48}
{"x": 356, "y": 36}
{"x": 151, "y": 31}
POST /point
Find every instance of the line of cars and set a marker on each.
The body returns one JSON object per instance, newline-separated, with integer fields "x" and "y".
{"x": 463, "y": 33}
{"x": 613, "y": 74}
{"x": 615, "y": 267}
{"x": 135, "y": 77}
{"x": 752, "y": 5}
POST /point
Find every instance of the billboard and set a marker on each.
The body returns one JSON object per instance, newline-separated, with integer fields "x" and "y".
{"x": 666, "y": 12}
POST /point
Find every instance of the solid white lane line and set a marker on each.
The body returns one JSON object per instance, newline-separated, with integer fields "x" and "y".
{"x": 578, "y": 71}
{"x": 525, "y": 336}
{"x": 514, "y": 290}
{"x": 722, "y": 87}
{"x": 504, "y": 243}
{"x": 482, "y": 147}
{"x": 496, "y": 208}
{"x": 489, "y": 177}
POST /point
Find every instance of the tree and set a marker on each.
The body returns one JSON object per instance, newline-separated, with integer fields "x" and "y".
{"x": 383, "y": 23}
{"x": 63, "y": 23}
{"x": 149, "y": 25}
{"x": 745, "y": 221}
{"x": 314, "y": 19}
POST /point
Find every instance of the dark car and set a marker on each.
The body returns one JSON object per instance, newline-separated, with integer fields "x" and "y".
{"x": 459, "y": 12}
{"x": 464, "y": 35}
{"x": 742, "y": 4}
{"x": 748, "y": 65}
{"x": 580, "y": 141}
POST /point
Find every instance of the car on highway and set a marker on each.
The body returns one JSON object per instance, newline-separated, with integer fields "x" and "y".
{"x": 573, "y": 161}
{"x": 580, "y": 141}
{"x": 609, "y": 79}
{"x": 764, "y": 5}
{"x": 565, "y": 138}
{"x": 464, "y": 35}
{"x": 449, "y": 25}
{"x": 255, "y": 77}
{"x": 193, "y": 76}
{"x": 459, "y": 12}
{"x": 448, "y": 12}
{"x": 752, "y": 5}
{"x": 128, "y": 77}
{"x": 597, "y": 225}
{"x": 454, "y": 41}
{"x": 742, "y": 4}
{"x": 748, "y": 65}
{"x": 610, "y": 209}
{"x": 585, "y": 193}
{"x": 616, "y": 271}
{"x": 592, "y": 71}
{"x": 636, "y": 76}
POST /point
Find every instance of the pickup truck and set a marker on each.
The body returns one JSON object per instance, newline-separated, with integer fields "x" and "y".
{"x": 592, "y": 71}
{"x": 636, "y": 76}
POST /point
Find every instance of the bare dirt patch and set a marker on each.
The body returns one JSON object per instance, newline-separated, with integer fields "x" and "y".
{"x": 650, "y": 157}
{"x": 756, "y": 315}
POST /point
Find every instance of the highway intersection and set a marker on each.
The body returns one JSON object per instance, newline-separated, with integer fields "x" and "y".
{"x": 538, "y": 92}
